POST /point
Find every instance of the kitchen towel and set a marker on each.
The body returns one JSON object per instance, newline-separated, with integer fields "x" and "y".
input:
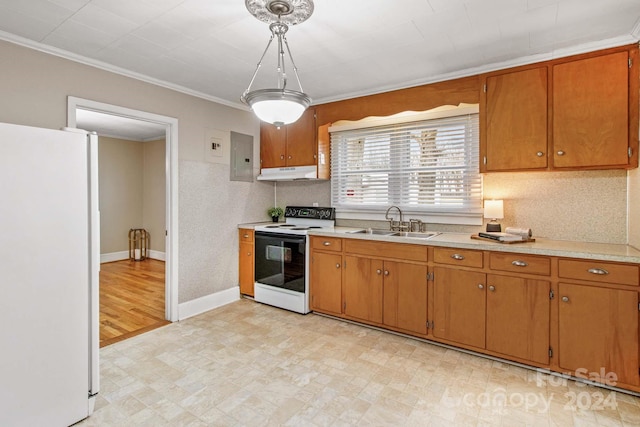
{"x": 524, "y": 232}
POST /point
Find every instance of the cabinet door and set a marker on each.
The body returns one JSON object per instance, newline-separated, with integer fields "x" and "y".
{"x": 363, "y": 288}
{"x": 246, "y": 275}
{"x": 598, "y": 331}
{"x": 405, "y": 296}
{"x": 518, "y": 317}
{"x": 301, "y": 140}
{"x": 516, "y": 120}
{"x": 326, "y": 282}
{"x": 590, "y": 112}
{"x": 459, "y": 306}
{"x": 273, "y": 146}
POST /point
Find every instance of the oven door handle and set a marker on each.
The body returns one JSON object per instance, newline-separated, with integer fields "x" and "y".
{"x": 280, "y": 238}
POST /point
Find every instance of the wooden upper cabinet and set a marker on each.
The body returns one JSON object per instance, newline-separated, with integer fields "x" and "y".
{"x": 273, "y": 146}
{"x": 290, "y": 145}
{"x": 516, "y": 121}
{"x": 591, "y": 112}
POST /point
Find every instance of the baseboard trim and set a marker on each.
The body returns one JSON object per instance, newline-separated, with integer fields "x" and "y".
{"x": 123, "y": 255}
{"x": 208, "y": 302}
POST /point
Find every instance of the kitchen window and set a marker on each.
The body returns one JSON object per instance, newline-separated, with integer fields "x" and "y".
{"x": 425, "y": 163}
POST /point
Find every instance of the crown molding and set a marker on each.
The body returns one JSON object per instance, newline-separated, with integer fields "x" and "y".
{"x": 525, "y": 60}
{"x": 31, "y": 44}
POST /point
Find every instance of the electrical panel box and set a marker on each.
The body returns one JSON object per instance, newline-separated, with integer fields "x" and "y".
{"x": 241, "y": 157}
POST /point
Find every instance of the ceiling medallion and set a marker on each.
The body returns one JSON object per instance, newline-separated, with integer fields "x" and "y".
{"x": 290, "y": 12}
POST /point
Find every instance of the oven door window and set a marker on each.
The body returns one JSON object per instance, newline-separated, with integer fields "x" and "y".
{"x": 280, "y": 261}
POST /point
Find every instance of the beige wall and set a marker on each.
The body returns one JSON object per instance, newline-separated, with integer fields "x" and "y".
{"x": 120, "y": 180}
{"x": 154, "y": 193}
{"x": 132, "y": 192}
{"x": 35, "y": 87}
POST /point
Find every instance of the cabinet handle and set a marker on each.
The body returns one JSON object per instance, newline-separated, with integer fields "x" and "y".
{"x": 519, "y": 263}
{"x": 289, "y": 156}
{"x": 248, "y": 253}
{"x": 378, "y": 271}
{"x": 492, "y": 288}
{"x": 560, "y": 153}
{"x": 539, "y": 154}
{"x": 480, "y": 286}
{"x": 282, "y": 157}
{"x": 246, "y": 236}
{"x": 457, "y": 257}
{"x": 386, "y": 272}
{"x": 326, "y": 243}
{"x": 600, "y": 271}
{"x": 565, "y": 299}
{"x": 337, "y": 265}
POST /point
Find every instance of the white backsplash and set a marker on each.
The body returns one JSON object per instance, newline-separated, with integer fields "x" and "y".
{"x": 587, "y": 206}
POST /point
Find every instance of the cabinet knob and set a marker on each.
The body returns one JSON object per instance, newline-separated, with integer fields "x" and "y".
{"x": 337, "y": 265}
{"x": 386, "y": 272}
{"x": 248, "y": 253}
{"x": 246, "y": 236}
{"x": 457, "y": 257}
{"x": 326, "y": 243}
{"x": 290, "y": 157}
{"x": 519, "y": 263}
{"x": 539, "y": 154}
{"x": 598, "y": 271}
{"x": 282, "y": 157}
{"x": 378, "y": 271}
{"x": 480, "y": 286}
{"x": 560, "y": 153}
{"x": 565, "y": 299}
{"x": 492, "y": 288}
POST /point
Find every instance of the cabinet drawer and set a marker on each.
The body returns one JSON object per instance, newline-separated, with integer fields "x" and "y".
{"x": 520, "y": 263}
{"x": 461, "y": 257}
{"x": 596, "y": 271}
{"x": 326, "y": 243}
{"x": 403, "y": 251}
{"x": 245, "y": 235}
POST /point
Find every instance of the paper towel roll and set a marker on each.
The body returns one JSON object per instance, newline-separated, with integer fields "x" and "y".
{"x": 524, "y": 232}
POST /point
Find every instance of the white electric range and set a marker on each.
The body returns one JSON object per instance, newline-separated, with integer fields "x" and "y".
{"x": 282, "y": 260}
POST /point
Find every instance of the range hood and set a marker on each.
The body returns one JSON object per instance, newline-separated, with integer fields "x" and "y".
{"x": 288, "y": 173}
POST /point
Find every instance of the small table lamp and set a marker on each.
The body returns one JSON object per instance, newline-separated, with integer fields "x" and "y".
{"x": 494, "y": 209}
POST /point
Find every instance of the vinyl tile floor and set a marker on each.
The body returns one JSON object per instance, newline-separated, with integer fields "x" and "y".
{"x": 247, "y": 364}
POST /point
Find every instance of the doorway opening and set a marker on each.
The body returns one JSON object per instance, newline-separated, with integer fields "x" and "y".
{"x": 81, "y": 113}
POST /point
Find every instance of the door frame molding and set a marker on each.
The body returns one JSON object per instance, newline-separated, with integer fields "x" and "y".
{"x": 171, "y": 185}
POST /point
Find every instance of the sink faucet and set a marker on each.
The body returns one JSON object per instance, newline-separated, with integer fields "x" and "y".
{"x": 386, "y": 215}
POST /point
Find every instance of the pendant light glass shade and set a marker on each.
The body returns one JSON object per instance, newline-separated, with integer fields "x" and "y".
{"x": 278, "y": 106}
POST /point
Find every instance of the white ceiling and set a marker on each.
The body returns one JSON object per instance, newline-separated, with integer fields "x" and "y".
{"x": 210, "y": 48}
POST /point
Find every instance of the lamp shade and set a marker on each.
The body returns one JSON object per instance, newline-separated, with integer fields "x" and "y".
{"x": 493, "y": 209}
{"x": 277, "y": 106}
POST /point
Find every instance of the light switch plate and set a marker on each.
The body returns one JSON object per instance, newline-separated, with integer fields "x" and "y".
{"x": 216, "y": 146}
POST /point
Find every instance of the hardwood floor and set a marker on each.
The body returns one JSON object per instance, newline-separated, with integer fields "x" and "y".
{"x": 131, "y": 299}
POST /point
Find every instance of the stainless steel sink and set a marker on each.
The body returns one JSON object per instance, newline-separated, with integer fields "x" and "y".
{"x": 426, "y": 235}
{"x": 377, "y": 232}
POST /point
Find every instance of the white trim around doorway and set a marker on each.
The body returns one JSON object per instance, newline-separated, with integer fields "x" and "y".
{"x": 171, "y": 124}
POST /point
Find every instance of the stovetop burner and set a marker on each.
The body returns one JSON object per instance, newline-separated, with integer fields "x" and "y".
{"x": 299, "y": 220}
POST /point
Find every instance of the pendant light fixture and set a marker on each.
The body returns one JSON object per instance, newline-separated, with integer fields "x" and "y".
{"x": 280, "y": 105}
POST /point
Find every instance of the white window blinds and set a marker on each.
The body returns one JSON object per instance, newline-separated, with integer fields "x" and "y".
{"x": 427, "y": 167}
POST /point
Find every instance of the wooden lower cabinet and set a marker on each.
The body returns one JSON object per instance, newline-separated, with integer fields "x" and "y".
{"x": 518, "y": 317}
{"x": 405, "y": 296}
{"x": 326, "y": 282}
{"x": 598, "y": 332}
{"x": 246, "y": 276}
{"x": 459, "y": 306}
{"x": 363, "y": 288}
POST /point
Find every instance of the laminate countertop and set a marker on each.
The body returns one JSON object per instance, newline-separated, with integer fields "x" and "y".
{"x": 541, "y": 246}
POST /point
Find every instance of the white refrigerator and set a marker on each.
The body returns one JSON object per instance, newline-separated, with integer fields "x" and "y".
{"x": 49, "y": 266}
